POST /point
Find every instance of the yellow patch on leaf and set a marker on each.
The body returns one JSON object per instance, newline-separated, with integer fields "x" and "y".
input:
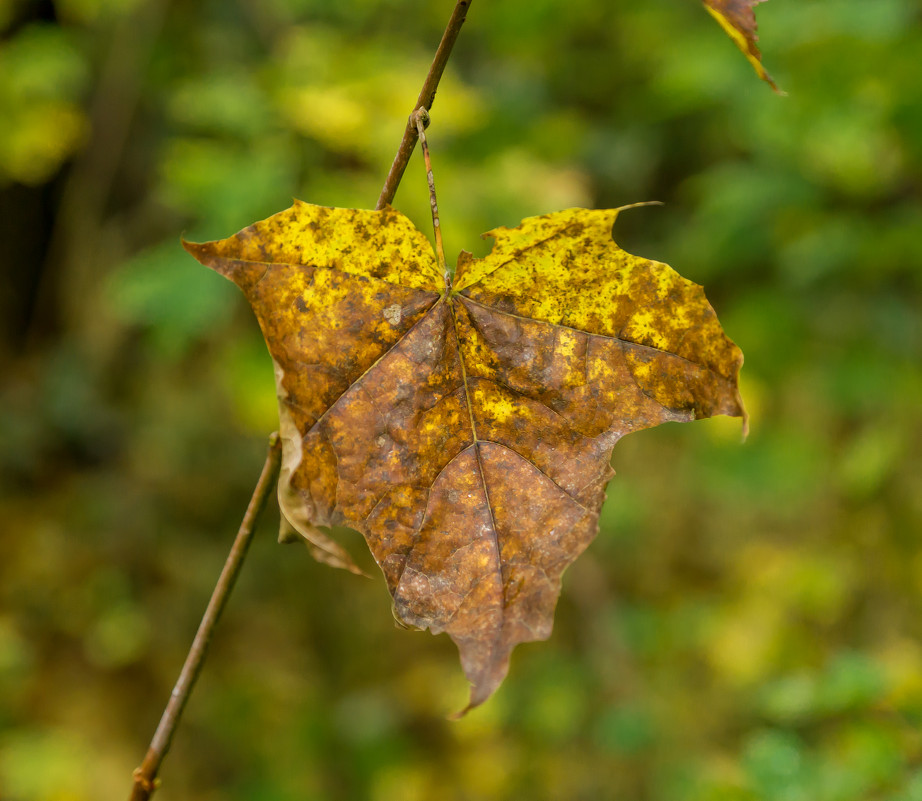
{"x": 466, "y": 429}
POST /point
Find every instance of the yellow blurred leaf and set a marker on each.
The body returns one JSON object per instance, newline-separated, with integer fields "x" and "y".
{"x": 37, "y": 139}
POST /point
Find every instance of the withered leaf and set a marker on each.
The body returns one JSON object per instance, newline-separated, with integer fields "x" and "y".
{"x": 465, "y": 426}
{"x": 738, "y": 19}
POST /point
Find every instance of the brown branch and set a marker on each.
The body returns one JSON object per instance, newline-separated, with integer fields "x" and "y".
{"x": 145, "y": 777}
{"x": 425, "y": 100}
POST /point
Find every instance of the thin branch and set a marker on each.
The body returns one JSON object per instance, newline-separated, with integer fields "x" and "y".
{"x": 145, "y": 777}
{"x": 425, "y": 100}
{"x": 421, "y": 117}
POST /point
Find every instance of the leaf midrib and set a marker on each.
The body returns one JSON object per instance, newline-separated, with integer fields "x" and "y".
{"x": 476, "y": 445}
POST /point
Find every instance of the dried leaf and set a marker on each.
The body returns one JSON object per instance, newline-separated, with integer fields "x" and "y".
{"x": 466, "y": 429}
{"x": 738, "y": 19}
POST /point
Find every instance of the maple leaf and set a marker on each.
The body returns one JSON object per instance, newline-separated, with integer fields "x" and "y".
{"x": 738, "y": 19}
{"x": 465, "y": 427}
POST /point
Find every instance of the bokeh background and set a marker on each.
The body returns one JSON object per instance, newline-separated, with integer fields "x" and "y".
{"x": 748, "y": 625}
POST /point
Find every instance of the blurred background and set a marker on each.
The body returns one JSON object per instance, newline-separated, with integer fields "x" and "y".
{"x": 748, "y": 624}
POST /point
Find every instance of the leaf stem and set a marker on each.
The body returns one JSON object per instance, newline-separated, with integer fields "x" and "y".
{"x": 425, "y": 100}
{"x": 145, "y": 777}
{"x": 421, "y": 117}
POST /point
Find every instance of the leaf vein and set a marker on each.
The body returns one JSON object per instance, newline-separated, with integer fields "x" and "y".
{"x": 592, "y": 334}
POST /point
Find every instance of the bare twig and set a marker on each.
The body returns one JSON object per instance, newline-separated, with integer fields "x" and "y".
{"x": 145, "y": 777}
{"x": 425, "y": 100}
{"x": 421, "y": 118}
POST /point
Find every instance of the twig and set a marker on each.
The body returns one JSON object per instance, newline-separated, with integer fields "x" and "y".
{"x": 421, "y": 118}
{"x": 145, "y": 777}
{"x": 425, "y": 100}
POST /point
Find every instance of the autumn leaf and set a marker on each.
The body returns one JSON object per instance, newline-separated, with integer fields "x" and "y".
{"x": 464, "y": 426}
{"x": 738, "y": 19}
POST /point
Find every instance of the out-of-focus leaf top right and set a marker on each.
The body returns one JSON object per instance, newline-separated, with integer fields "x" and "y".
{"x": 738, "y": 19}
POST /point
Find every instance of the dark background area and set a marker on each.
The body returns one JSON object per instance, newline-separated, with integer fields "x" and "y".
{"x": 748, "y": 624}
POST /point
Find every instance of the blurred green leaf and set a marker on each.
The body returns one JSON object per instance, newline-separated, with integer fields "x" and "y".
{"x": 162, "y": 291}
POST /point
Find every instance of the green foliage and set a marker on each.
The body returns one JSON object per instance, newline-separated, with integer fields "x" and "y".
{"x": 747, "y": 626}
{"x": 42, "y": 78}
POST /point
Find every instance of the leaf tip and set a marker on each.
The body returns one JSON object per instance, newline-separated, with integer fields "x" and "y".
{"x": 478, "y": 696}
{"x": 189, "y": 247}
{"x": 202, "y": 252}
{"x": 460, "y": 713}
{"x": 641, "y": 203}
{"x": 629, "y": 206}
{"x": 485, "y": 669}
{"x": 321, "y": 546}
